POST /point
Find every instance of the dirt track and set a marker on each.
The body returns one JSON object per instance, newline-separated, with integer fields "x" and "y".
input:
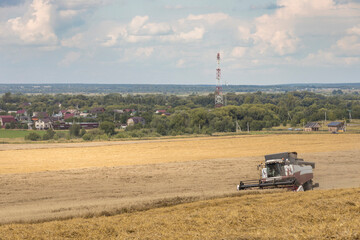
{"x": 48, "y": 195}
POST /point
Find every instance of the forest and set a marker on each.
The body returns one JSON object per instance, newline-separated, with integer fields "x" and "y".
{"x": 196, "y": 113}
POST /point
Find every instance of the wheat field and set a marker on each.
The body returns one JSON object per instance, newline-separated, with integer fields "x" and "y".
{"x": 178, "y": 150}
{"x": 176, "y": 189}
{"x": 320, "y": 214}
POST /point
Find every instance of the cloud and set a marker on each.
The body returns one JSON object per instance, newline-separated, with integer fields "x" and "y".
{"x": 210, "y": 18}
{"x": 180, "y": 63}
{"x": 286, "y": 30}
{"x": 36, "y": 26}
{"x": 195, "y": 34}
{"x": 238, "y": 52}
{"x": 69, "y": 58}
{"x": 144, "y": 52}
{"x": 75, "y": 41}
{"x": 137, "y": 22}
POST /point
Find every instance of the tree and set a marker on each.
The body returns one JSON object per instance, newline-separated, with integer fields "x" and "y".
{"x": 33, "y": 136}
{"x": 74, "y": 130}
{"x": 49, "y": 134}
{"x": 108, "y": 127}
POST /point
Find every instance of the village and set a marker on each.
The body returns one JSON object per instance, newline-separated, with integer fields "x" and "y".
{"x": 64, "y": 119}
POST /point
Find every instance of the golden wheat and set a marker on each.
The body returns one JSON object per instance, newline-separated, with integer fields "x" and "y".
{"x": 290, "y": 215}
{"x": 148, "y": 152}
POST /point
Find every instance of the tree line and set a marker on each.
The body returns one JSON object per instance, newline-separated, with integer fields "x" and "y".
{"x": 196, "y": 113}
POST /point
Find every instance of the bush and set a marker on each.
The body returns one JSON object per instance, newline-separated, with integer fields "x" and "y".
{"x": 122, "y": 135}
{"x": 74, "y": 130}
{"x": 33, "y": 136}
{"x": 82, "y": 132}
{"x": 7, "y": 126}
{"x": 49, "y": 134}
{"x": 95, "y": 134}
{"x": 108, "y": 127}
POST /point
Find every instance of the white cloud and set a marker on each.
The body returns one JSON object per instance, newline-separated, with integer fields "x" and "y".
{"x": 287, "y": 30}
{"x": 69, "y": 58}
{"x": 180, "y": 63}
{"x": 326, "y": 58}
{"x": 155, "y": 29}
{"x": 69, "y": 13}
{"x": 36, "y": 26}
{"x": 349, "y": 45}
{"x": 195, "y": 34}
{"x": 75, "y": 41}
{"x": 238, "y": 52}
{"x": 144, "y": 52}
{"x": 210, "y": 18}
{"x": 137, "y": 22}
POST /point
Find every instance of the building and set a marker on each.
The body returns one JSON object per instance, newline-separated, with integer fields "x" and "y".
{"x": 135, "y": 120}
{"x": 21, "y": 112}
{"x": 4, "y": 119}
{"x": 311, "y": 127}
{"x": 337, "y": 127}
{"x": 160, "y": 111}
{"x": 43, "y": 124}
{"x": 97, "y": 110}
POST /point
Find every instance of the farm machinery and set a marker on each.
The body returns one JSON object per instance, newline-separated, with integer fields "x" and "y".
{"x": 283, "y": 170}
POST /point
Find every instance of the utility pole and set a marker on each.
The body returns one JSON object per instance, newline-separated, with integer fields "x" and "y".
{"x": 349, "y": 115}
{"x": 238, "y": 128}
{"x": 248, "y": 127}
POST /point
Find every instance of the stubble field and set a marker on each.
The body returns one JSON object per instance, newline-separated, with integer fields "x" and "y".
{"x": 62, "y": 181}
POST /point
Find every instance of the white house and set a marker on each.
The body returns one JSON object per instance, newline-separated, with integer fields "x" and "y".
{"x": 43, "y": 124}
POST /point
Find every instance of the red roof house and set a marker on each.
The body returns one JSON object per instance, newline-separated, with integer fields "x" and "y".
{"x": 4, "y": 119}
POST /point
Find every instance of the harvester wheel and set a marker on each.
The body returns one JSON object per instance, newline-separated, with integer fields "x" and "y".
{"x": 308, "y": 185}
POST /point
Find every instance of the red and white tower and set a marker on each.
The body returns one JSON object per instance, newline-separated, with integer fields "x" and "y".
{"x": 219, "y": 99}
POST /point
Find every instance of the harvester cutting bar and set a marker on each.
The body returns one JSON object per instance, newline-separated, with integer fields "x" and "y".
{"x": 261, "y": 184}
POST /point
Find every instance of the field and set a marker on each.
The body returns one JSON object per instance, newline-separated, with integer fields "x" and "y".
{"x": 11, "y": 133}
{"x": 89, "y": 184}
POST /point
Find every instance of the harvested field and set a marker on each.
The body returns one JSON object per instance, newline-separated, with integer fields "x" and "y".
{"x": 82, "y": 155}
{"x": 307, "y": 215}
{"x": 48, "y": 182}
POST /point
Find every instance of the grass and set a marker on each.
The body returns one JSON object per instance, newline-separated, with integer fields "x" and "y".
{"x": 17, "y": 133}
{"x": 290, "y": 215}
{"x": 176, "y": 150}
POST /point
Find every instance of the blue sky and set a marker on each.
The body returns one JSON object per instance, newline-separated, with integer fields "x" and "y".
{"x": 176, "y": 42}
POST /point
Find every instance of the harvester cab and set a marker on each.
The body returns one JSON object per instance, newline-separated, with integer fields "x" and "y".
{"x": 283, "y": 170}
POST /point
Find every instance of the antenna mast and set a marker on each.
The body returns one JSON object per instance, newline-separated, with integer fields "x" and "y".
{"x": 219, "y": 100}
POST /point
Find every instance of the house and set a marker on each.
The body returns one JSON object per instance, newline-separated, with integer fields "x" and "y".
{"x": 119, "y": 111}
{"x": 84, "y": 114}
{"x": 128, "y": 110}
{"x": 312, "y": 126}
{"x": 43, "y": 124}
{"x": 337, "y": 127}
{"x": 21, "y": 112}
{"x": 40, "y": 114}
{"x": 68, "y": 115}
{"x": 4, "y": 119}
{"x": 97, "y": 110}
{"x": 135, "y": 120}
{"x": 160, "y": 111}
{"x": 89, "y": 125}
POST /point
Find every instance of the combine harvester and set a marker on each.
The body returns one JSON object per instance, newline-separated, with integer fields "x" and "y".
{"x": 283, "y": 170}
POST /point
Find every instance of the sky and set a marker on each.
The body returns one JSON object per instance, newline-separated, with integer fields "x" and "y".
{"x": 261, "y": 42}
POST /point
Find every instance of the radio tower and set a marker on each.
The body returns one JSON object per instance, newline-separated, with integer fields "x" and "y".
{"x": 219, "y": 100}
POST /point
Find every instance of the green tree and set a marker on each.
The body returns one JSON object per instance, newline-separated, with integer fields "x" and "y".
{"x": 108, "y": 127}
{"x": 74, "y": 130}
{"x": 33, "y": 136}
